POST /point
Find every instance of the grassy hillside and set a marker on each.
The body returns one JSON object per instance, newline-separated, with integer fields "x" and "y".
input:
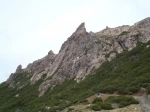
{"x": 126, "y": 75}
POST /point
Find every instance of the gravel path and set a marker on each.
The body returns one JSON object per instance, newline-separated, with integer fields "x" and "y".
{"x": 144, "y": 102}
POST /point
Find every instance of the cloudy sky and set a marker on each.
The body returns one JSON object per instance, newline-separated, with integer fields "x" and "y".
{"x": 30, "y": 28}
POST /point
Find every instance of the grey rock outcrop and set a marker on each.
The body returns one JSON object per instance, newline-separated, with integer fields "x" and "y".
{"x": 19, "y": 69}
{"x": 37, "y": 69}
{"x": 40, "y": 67}
{"x": 111, "y": 56}
{"x": 13, "y": 76}
{"x": 145, "y": 23}
{"x": 10, "y": 80}
{"x": 85, "y": 51}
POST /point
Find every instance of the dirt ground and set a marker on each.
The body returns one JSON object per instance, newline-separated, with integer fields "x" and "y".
{"x": 143, "y": 99}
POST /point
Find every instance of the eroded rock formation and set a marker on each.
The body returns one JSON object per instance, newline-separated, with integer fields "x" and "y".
{"x": 84, "y": 51}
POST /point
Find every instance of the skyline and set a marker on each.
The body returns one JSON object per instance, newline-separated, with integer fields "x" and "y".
{"x": 30, "y": 28}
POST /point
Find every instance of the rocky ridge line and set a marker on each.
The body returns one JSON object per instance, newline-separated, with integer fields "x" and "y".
{"x": 85, "y": 51}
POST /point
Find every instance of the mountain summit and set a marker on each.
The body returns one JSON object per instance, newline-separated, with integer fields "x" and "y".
{"x": 82, "y": 53}
{"x": 105, "y": 70}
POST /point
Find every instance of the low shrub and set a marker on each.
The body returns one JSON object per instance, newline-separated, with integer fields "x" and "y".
{"x": 97, "y": 100}
{"x": 95, "y": 107}
{"x": 106, "y": 106}
{"x": 123, "y": 101}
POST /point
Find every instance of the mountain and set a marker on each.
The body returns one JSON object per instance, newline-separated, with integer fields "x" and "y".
{"x": 117, "y": 58}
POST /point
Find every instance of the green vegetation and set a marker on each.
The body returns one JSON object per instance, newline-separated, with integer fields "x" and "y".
{"x": 97, "y": 100}
{"x": 98, "y": 104}
{"x": 22, "y": 78}
{"x": 95, "y": 107}
{"x": 106, "y": 106}
{"x": 123, "y": 101}
{"x": 126, "y": 75}
{"x": 124, "y": 33}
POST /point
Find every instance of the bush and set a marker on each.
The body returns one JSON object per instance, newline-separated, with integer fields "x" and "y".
{"x": 106, "y": 106}
{"x": 95, "y": 107}
{"x": 123, "y": 101}
{"x": 133, "y": 89}
{"x": 97, "y": 100}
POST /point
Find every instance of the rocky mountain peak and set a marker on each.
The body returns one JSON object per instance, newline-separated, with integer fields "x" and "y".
{"x": 10, "y": 81}
{"x": 78, "y": 35}
{"x": 50, "y": 53}
{"x": 80, "y": 32}
{"x": 19, "y": 69}
{"x": 83, "y": 52}
{"x": 81, "y": 27}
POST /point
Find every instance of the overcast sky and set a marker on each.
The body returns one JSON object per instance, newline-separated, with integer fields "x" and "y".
{"x": 30, "y": 28}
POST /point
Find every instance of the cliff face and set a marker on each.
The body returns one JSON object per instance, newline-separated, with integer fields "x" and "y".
{"x": 39, "y": 67}
{"x": 83, "y": 52}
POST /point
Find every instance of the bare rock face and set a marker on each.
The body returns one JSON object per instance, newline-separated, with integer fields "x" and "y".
{"x": 85, "y": 51}
{"x": 10, "y": 80}
{"x": 145, "y": 23}
{"x": 76, "y": 59}
{"x": 39, "y": 67}
{"x": 19, "y": 69}
{"x": 111, "y": 56}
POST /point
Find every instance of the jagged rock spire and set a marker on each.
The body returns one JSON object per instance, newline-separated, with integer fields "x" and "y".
{"x": 83, "y": 52}
{"x": 19, "y": 69}
{"x": 81, "y": 28}
{"x": 51, "y": 52}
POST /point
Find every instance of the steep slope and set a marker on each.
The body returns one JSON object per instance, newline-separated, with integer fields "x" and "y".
{"x": 34, "y": 70}
{"x": 117, "y": 56}
{"x": 126, "y": 74}
{"x": 83, "y": 52}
